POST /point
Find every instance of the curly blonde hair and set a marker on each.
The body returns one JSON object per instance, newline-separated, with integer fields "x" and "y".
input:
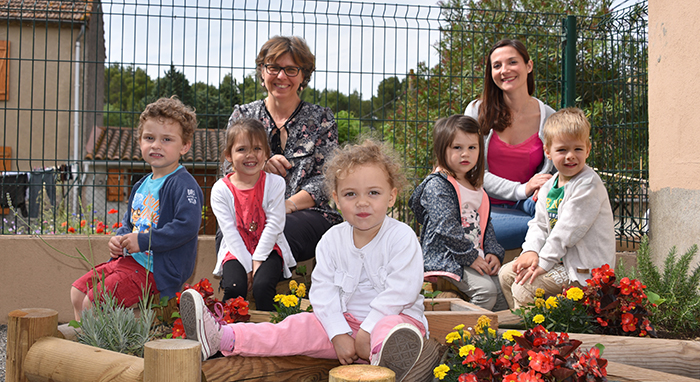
{"x": 368, "y": 152}
{"x": 174, "y": 109}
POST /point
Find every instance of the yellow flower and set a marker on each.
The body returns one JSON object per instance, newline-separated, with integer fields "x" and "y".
{"x": 538, "y": 319}
{"x": 293, "y": 285}
{"x": 483, "y": 322}
{"x": 552, "y": 302}
{"x": 466, "y": 350}
{"x": 467, "y": 334}
{"x": 539, "y": 302}
{"x": 301, "y": 290}
{"x": 539, "y": 293}
{"x": 289, "y": 300}
{"x": 492, "y": 332}
{"x": 278, "y": 297}
{"x": 440, "y": 372}
{"x": 478, "y": 330}
{"x": 509, "y": 334}
{"x": 459, "y": 327}
{"x": 574, "y": 294}
{"x": 452, "y": 337}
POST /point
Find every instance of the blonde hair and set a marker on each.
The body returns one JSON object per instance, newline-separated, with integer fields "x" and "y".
{"x": 567, "y": 122}
{"x": 174, "y": 109}
{"x": 370, "y": 152}
{"x": 250, "y": 127}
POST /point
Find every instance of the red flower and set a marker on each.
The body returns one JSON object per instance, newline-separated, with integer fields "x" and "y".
{"x": 83, "y": 222}
{"x": 530, "y": 376}
{"x": 178, "y": 328}
{"x": 112, "y": 211}
{"x": 71, "y": 229}
{"x": 626, "y": 286}
{"x": 467, "y": 378}
{"x": 601, "y": 321}
{"x": 541, "y": 361}
{"x": 99, "y": 230}
{"x": 511, "y": 378}
{"x": 116, "y": 225}
{"x": 477, "y": 356}
{"x": 628, "y": 322}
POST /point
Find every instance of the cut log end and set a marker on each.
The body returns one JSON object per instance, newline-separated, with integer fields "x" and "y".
{"x": 363, "y": 373}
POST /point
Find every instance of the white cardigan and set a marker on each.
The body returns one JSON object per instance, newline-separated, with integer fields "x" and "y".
{"x": 584, "y": 236}
{"x": 222, "y": 203}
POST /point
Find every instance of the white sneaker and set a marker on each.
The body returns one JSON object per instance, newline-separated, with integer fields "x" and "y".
{"x": 400, "y": 350}
{"x": 200, "y": 325}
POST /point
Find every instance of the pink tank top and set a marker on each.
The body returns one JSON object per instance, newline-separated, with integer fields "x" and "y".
{"x": 518, "y": 162}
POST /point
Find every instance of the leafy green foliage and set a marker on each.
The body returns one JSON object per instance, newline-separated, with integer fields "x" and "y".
{"x": 678, "y": 310}
{"x": 561, "y": 313}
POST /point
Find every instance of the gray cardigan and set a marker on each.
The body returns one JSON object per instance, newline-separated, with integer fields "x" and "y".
{"x": 502, "y": 188}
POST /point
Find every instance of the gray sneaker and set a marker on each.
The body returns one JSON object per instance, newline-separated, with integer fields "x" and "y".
{"x": 200, "y": 325}
{"x": 400, "y": 350}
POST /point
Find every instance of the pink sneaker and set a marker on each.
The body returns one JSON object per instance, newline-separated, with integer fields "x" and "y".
{"x": 200, "y": 325}
{"x": 400, "y": 350}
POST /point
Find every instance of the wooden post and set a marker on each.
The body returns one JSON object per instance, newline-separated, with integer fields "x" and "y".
{"x": 25, "y": 327}
{"x": 363, "y": 373}
{"x": 172, "y": 360}
{"x": 53, "y": 359}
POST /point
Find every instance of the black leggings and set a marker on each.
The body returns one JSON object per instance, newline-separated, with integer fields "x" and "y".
{"x": 303, "y": 230}
{"x": 234, "y": 281}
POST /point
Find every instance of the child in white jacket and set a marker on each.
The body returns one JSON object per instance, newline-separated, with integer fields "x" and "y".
{"x": 572, "y": 231}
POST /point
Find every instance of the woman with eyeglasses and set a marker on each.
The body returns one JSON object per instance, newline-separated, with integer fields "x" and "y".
{"x": 301, "y": 136}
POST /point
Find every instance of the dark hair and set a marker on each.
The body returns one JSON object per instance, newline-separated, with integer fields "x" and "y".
{"x": 278, "y": 46}
{"x": 444, "y": 133}
{"x": 493, "y": 112}
{"x": 250, "y": 127}
{"x": 174, "y": 109}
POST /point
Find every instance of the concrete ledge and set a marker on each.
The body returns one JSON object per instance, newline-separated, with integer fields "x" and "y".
{"x": 36, "y": 276}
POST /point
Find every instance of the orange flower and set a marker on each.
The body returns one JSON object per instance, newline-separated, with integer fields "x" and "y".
{"x": 64, "y": 224}
{"x": 112, "y": 211}
{"x": 83, "y": 222}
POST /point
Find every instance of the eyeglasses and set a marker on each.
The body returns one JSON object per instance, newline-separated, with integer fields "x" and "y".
{"x": 290, "y": 71}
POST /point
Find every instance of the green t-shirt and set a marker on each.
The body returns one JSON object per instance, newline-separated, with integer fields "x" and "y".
{"x": 554, "y": 197}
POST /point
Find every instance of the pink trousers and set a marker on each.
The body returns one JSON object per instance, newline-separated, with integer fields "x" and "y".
{"x": 303, "y": 334}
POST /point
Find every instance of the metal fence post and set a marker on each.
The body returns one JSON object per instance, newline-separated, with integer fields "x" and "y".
{"x": 569, "y": 63}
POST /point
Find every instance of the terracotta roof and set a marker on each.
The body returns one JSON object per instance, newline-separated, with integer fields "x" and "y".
{"x": 121, "y": 144}
{"x": 46, "y": 10}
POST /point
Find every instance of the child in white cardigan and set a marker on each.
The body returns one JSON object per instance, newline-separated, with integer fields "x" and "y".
{"x": 572, "y": 231}
{"x": 365, "y": 288}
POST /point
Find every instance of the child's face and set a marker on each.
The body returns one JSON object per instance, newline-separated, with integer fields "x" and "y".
{"x": 364, "y": 196}
{"x": 162, "y": 145}
{"x": 569, "y": 155}
{"x": 246, "y": 157}
{"x": 463, "y": 154}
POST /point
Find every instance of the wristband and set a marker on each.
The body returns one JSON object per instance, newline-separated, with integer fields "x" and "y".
{"x": 294, "y": 204}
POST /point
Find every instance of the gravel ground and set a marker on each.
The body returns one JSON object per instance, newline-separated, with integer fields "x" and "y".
{"x": 3, "y": 351}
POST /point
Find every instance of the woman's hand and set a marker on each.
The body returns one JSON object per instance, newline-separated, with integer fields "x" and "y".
{"x": 344, "y": 346}
{"x": 535, "y": 183}
{"x": 278, "y": 164}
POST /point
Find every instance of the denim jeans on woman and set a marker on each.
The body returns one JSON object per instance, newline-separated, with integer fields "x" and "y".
{"x": 510, "y": 222}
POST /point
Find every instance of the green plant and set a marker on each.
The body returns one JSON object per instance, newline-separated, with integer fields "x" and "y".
{"x": 431, "y": 296}
{"x": 678, "y": 310}
{"x": 561, "y": 313}
{"x": 288, "y": 304}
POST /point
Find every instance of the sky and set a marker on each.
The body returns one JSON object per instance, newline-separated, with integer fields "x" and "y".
{"x": 357, "y": 44}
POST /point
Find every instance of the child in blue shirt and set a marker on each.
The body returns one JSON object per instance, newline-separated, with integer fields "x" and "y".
{"x": 156, "y": 247}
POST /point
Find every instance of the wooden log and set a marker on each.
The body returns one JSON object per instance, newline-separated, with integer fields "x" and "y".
{"x": 53, "y": 359}
{"x": 268, "y": 369}
{"x": 25, "y": 327}
{"x": 621, "y": 372}
{"x": 168, "y": 360}
{"x": 365, "y": 373}
{"x": 669, "y": 356}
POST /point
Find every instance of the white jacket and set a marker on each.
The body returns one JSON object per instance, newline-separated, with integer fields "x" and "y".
{"x": 393, "y": 261}
{"x": 222, "y": 203}
{"x": 584, "y": 236}
{"x": 502, "y": 188}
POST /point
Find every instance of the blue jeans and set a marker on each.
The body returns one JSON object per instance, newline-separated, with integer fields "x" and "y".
{"x": 510, "y": 222}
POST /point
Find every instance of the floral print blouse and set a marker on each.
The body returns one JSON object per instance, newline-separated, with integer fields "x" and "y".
{"x": 312, "y": 136}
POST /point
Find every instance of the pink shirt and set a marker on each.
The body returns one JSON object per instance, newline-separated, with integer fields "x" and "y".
{"x": 518, "y": 162}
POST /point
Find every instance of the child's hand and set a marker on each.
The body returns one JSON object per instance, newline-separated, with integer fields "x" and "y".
{"x": 130, "y": 241}
{"x": 530, "y": 275}
{"x": 524, "y": 261}
{"x": 344, "y": 346}
{"x": 256, "y": 265}
{"x": 115, "y": 247}
{"x": 362, "y": 344}
{"x": 480, "y": 265}
{"x": 494, "y": 263}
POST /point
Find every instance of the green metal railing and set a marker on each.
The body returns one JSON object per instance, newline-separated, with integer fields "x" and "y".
{"x": 386, "y": 70}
